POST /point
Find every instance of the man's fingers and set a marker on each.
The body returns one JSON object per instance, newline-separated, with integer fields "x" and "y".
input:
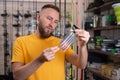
{"x": 82, "y": 35}
{"x": 55, "y": 49}
{"x": 49, "y": 53}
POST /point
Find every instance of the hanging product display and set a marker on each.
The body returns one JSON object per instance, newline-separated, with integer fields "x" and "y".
{"x": 17, "y": 24}
{"x": 29, "y": 26}
{"x": 6, "y": 38}
{"x": 28, "y": 18}
{"x": 6, "y": 45}
{"x": 18, "y": 15}
{"x": 32, "y": 22}
{"x": 28, "y": 14}
{"x": 4, "y": 14}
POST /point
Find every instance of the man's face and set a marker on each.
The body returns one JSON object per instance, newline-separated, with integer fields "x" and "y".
{"x": 48, "y": 20}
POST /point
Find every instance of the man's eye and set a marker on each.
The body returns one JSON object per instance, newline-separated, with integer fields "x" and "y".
{"x": 56, "y": 22}
{"x": 49, "y": 18}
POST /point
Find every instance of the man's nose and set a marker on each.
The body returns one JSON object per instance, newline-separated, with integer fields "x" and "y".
{"x": 52, "y": 24}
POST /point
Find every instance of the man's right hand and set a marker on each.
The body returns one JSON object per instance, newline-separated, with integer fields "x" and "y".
{"x": 49, "y": 53}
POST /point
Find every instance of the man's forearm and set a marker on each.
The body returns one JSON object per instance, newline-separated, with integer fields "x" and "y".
{"x": 83, "y": 56}
{"x": 25, "y": 71}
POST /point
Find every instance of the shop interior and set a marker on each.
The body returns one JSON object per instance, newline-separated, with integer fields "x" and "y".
{"x": 101, "y": 18}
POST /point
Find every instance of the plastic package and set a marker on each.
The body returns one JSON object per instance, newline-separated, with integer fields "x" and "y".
{"x": 69, "y": 39}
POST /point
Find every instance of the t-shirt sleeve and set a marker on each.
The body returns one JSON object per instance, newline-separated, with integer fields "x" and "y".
{"x": 17, "y": 54}
{"x": 69, "y": 52}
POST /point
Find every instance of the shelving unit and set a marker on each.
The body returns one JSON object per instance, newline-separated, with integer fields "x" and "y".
{"x": 100, "y": 52}
{"x": 98, "y": 73}
{"x": 105, "y": 28}
{"x": 104, "y": 6}
{"x": 97, "y": 32}
{"x": 113, "y": 57}
{"x": 103, "y": 52}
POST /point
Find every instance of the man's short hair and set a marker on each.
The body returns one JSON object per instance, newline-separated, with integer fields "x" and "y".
{"x": 51, "y": 6}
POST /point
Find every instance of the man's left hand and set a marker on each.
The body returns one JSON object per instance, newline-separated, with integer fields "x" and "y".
{"x": 82, "y": 36}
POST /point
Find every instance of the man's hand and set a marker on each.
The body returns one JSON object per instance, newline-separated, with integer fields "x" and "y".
{"x": 49, "y": 53}
{"x": 82, "y": 36}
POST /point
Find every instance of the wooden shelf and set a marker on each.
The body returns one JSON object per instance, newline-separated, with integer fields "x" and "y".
{"x": 101, "y": 52}
{"x": 98, "y": 73}
{"x": 116, "y": 55}
{"x": 113, "y": 56}
{"x": 105, "y": 5}
{"x": 105, "y": 28}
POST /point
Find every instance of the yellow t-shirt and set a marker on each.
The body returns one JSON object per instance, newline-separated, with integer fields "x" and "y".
{"x": 27, "y": 48}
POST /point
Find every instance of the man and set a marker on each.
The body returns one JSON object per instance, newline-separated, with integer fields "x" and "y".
{"x": 38, "y": 56}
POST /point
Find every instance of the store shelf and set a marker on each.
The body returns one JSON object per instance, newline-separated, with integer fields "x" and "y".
{"x": 105, "y": 28}
{"x": 98, "y": 73}
{"x": 97, "y": 31}
{"x": 101, "y": 52}
{"x": 104, "y": 6}
{"x": 115, "y": 57}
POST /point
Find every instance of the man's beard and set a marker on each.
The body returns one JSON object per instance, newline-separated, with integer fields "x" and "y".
{"x": 42, "y": 32}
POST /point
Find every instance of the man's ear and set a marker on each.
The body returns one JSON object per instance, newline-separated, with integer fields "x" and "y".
{"x": 38, "y": 16}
